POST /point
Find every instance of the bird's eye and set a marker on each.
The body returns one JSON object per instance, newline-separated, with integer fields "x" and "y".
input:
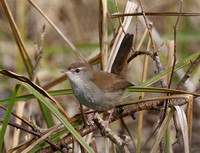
{"x": 77, "y": 70}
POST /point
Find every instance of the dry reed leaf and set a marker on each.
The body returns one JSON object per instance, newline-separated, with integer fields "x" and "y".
{"x": 41, "y": 139}
{"x": 162, "y": 130}
{"x": 184, "y": 127}
{"x": 130, "y": 7}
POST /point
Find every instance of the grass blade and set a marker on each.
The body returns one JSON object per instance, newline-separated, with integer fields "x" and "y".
{"x": 59, "y": 116}
{"x": 7, "y": 116}
{"x": 184, "y": 127}
{"x": 31, "y": 96}
{"x": 179, "y": 65}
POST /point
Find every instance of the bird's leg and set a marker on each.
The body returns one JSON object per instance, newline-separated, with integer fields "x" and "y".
{"x": 83, "y": 115}
{"x": 106, "y": 123}
{"x": 90, "y": 118}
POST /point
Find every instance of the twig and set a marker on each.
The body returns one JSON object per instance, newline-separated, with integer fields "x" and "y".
{"x": 165, "y": 104}
{"x": 193, "y": 65}
{"x": 175, "y": 32}
{"x": 128, "y": 131}
{"x": 111, "y": 22}
{"x": 158, "y": 65}
{"x": 147, "y": 25}
{"x": 22, "y": 119}
{"x": 154, "y": 131}
{"x": 140, "y": 52}
{"x": 120, "y": 21}
{"x": 39, "y": 135}
{"x": 110, "y": 134}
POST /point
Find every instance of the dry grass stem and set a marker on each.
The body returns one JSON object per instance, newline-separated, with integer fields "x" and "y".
{"x": 59, "y": 32}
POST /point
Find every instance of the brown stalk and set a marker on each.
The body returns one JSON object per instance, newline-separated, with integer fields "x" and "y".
{"x": 144, "y": 77}
{"x": 18, "y": 38}
{"x": 103, "y": 32}
{"x": 22, "y": 119}
{"x": 67, "y": 41}
{"x": 35, "y": 134}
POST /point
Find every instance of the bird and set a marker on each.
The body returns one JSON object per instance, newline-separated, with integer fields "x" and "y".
{"x": 100, "y": 90}
{"x": 96, "y": 89}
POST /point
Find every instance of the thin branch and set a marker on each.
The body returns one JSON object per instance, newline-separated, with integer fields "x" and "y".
{"x": 22, "y": 119}
{"x": 193, "y": 65}
{"x": 122, "y": 145}
{"x": 120, "y": 21}
{"x": 111, "y": 22}
{"x": 128, "y": 131}
{"x": 175, "y": 32}
{"x": 140, "y": 52}
{"x": 147, "y": 25}
{"x": 37, "y": 134}
{"x": 165, "y": 104}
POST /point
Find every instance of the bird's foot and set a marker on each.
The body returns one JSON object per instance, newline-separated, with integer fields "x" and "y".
{"x": 106, "y": 123}
{"x": 90, "y": 118}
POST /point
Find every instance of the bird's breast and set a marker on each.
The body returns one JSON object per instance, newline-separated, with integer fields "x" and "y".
{"x": 93, "y": 97}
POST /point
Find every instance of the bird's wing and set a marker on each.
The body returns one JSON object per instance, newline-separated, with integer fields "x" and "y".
{"x": 110, "y": 82}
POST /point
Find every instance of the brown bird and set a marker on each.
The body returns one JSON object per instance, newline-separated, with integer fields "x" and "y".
{"x": 100, "y": 90}
{"x": 97, "y": 90}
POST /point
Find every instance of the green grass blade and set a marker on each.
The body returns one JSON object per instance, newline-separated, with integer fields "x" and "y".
{"x": 59, "y": 116}
{"x": 161, "y": 90}
{"x": 7, "y": 116}
{"x": 31, "y": 96}
{"x": 167, "y": 71}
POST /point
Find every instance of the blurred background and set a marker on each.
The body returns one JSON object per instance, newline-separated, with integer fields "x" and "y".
{"x": 79, "y": 21}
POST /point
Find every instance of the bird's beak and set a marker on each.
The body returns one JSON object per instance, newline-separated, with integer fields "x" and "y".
{"x": 67, "y": 72}
{"x": 64, "y": 71}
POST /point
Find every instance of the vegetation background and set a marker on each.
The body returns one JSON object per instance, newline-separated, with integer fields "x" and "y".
{"x": 79, "y": 21}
